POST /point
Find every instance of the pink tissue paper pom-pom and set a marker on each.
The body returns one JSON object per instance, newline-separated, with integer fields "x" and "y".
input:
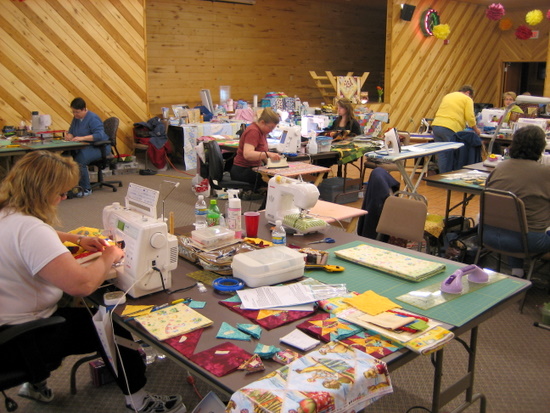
{"x": 548, "y": 14}
{"x": 495, "y": 11}
{"x": 523, "y": 32}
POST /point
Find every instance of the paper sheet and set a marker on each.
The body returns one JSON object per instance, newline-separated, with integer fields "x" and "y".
{"x": 280, "y": 296}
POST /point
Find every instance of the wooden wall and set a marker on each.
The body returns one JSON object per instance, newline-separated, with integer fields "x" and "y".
{"x": 128, "y": 58}
{"x": 423, "y": 70}
{"x": 271, "y": 46}
{"x": 54, "y": 50}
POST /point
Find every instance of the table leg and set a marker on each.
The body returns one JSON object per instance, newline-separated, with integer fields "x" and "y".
{"x": 464, "y": 384}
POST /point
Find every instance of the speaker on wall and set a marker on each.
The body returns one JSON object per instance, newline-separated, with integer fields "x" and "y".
{"x": 407, "y": 11}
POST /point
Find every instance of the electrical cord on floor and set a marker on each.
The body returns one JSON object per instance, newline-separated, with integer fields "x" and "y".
{"x": 191, "y": 381}
{"x": 418, "y": 407}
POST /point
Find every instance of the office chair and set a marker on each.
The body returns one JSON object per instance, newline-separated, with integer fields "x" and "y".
{"x": 111, "y": 126}
{"x": 215, "y": 166}
{"x": 504, "y": 210}
{"x": 403, "y": 217}
{"x": 19, "y": 342}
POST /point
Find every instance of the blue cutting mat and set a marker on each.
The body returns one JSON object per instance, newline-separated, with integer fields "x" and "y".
{"x": 456, "y": 312}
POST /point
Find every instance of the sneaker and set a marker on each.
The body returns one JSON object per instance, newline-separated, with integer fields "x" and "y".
{"x": 161, "y": 404}
{"x": 42, "y": 393}
{"x": 86, "y": 192}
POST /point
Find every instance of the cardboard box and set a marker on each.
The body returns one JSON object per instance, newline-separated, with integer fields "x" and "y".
{"x": 99, "y": 373}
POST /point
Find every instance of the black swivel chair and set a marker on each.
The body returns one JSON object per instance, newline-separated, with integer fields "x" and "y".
{"x": 215, "y": 169}
{"x": 111, "y": 126}
{"x": 19, "y": 342}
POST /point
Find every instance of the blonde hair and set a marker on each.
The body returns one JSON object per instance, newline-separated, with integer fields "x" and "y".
{"x": 347, "y": 105}
{"x": 35, "y": 181}
{"x": 511, "y": 94}
{"x": 269, "y": 116}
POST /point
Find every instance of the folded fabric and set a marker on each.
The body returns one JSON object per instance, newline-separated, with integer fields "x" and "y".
{"x": 173, "y": 321}
{"x": 221, "y": 359}
{"x": 268, "y": 319}
{"x": 252, "y": 329}
{"x": 373, "y": 345}
{"x": 186, "y": 343}
{"x": 371, "y": 303}
{"x": 394, "y": 263}
{"x": 328, "y": 328}
{"x": 227, "y": 331}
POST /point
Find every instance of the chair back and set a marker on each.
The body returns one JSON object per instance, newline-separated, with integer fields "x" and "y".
{"x": 110, "y": 125}
{"x": 215, "y": 161}
{"x": 403, "y": 217}
{"x": 503, "y": 210}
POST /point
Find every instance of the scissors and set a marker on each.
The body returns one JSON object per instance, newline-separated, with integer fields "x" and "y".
{"x": 321, "y": 241}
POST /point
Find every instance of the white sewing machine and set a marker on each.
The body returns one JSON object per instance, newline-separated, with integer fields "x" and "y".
{"x": 289, "y": 138}
{"x": 292, "y": 197}
{"x": 149, "y": 249}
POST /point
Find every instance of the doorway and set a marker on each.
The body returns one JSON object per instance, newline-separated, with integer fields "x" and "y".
{"x": 521, "y": 77}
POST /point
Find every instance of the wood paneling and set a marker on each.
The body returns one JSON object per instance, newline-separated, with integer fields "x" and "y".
{"x": 270, "y": 46}
{"x": 128, "y": 58}
{"x": 54, "y": 50}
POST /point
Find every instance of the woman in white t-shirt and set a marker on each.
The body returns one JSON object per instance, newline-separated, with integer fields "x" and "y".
{"x": 37, "y": 268}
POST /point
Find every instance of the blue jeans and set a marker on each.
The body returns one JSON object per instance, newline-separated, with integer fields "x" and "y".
{"x": 84, "y": 157}
{"x": 511, "y": 241}
{"x": 444, "y": 159}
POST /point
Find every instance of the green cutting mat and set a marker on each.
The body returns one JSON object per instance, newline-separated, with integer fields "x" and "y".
{"x": 456, "y": 312}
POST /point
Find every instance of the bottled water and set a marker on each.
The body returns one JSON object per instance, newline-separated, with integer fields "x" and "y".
{"x": 278, "y": 235}
{"x": 200, "y": 213}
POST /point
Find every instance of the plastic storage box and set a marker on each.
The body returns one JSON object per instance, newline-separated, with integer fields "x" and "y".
{"x": 268, "y": 266}
{"x": 324, "y": 143}
{"x": 332, "y": 190}
{"x": 212, "y": 237}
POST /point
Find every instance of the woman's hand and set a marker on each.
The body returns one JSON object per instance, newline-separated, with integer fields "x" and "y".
{"x": 273, "y": 156}
{"x": 93, "y": 244}
{"x": 113, "y": 254}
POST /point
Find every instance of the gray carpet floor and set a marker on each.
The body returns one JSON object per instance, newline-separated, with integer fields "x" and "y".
{"x": 513, "y": 362}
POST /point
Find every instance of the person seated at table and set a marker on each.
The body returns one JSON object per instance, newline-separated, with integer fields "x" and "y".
{"x": 455, "y": 111}
{"x": 253, "y": 151}
{"x": 345, "y": 123}
{"x": 529, "y": 180}
{"x": 40, "y": 269}
{"x": 515, "y": 111}
{"x": 86, "y": 126}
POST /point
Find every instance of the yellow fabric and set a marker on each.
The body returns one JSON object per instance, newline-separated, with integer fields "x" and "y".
{"x": 455, "y": 111}
{"x": 371, "y": 303}
{"x": 515, "y": 109}
{"x": 434, "y": 225}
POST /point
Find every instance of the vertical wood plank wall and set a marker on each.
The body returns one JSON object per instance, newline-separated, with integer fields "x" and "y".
{"x": 54, "y": 50}
{"x": 270, "y": 46}
{"x": 128, "y": 58}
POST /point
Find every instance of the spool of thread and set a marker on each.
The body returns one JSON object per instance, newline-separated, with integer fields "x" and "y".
{"x": 227, "y": 285}
{"x": 171, "y": 222}
{"x": 114, "y": 298}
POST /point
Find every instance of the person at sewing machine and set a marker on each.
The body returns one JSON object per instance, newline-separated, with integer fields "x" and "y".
{"x": 509, "y": 98}
{"x": 454, "y": 113}
{"x": 345, "y": 123}
{"x": 37, "y": 268}
{"x": 253, "y": 151}
{"x": 86, "y": 126}
{"x": 529, "y": 180}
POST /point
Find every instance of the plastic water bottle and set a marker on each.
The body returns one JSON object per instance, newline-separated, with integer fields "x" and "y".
{"x": 200, "y": 213}
{"x": 35, "y": 121}
{"x": 233, "y": 215}
{"x": 278, "y": 235}
{"x": 213, "y": 215}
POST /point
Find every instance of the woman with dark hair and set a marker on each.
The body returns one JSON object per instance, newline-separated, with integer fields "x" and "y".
{"x": 529, "y": 180}
{"x": 346, "y": 119}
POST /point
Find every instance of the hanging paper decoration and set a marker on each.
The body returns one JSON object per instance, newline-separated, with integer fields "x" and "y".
{"x": 534, "y": 17}
{"x": 505, "y": 24}
{"x": 548, "y": 14}
{"x": 523, "y": 32}
{"x": 441, "y": 31}
{"x": 495, "y": 11}
{"x": 428, "y": 20}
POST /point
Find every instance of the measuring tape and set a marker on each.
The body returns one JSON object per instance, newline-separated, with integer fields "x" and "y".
{"x": 227, "y": 285}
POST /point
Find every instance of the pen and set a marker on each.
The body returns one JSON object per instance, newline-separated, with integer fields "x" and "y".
{"x": 160, "y": 307}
